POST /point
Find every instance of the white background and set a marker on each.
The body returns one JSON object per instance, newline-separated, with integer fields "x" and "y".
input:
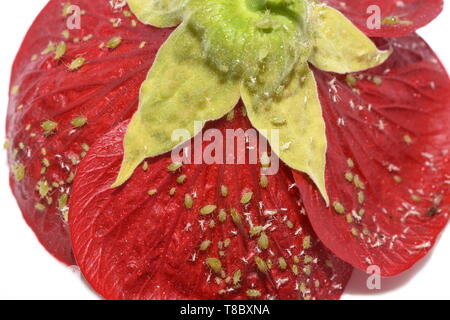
{"x": 27, "y": 271}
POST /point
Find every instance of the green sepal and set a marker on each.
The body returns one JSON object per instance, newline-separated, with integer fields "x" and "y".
{"x": 339, "y": 46}
{"x": 180, "y": 88}
{"x": 297, "y": 115}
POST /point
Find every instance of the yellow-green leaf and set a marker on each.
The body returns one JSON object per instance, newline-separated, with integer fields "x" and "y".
{"x": 181, "y": 88}
{"x": 302, "y": 141}
{"x": 339, "y": 46}
{"x": 158, "y": 13}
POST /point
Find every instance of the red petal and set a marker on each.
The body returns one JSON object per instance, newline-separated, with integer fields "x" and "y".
{"x": 413, "y": 14}
{"x": 104, "y": 90}
{"x": 397, "y": 134}
{"x": 130, "y": 245}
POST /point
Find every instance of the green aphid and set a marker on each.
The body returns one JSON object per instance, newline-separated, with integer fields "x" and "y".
{"x": 188, "y": 202}
{"x": 78, "y": 122}
{"x": 246, "y": 197}
{"x": 393, "y": 20}
{"x": 361, "y": 197}
{"x": 261, "y": 264}
{"x": 40, "y": 207}
{"x": 206, "y": 210}
{"x": 349, "y": 218}
{"x": 253, "y": 293}
{"x": 256, "y": 230}
{"x": 307, "y": 270}
{"x": 77, "y": 64}
{"x": 377, "y": 80}
{"x": 15, "y": 90}
{"x": 237, "y": 277}
{"x": 349, "y": 176}
{"x": 282, "y": 263}
{"x": 237, "y": 219}
{"x": 338, "y": 207}
{"x": 358, "y": 183}
{"x": 222, "y": 215}
{"x": 223, "y": 191}
{"x": 43, "y": 188}
{"x": 263, "y": 241}
{"x": 214, "y": 264}
{"x": 205, "y": 245}
{"x": 49, "y": 127}
{"x": 19, "y": 171}
{"x": 46, "y": 162}
{"x": 350, "y": 163}
{"x": 307, "y": 242}
{"x": 62, "y": 201}
{"x": 181, "y": 179}
{"x": 51, "y": 47}
{"x": 263, "y": 181}
{"x": 60, "y": 50}
{"x": 351, "y": 80}
{"x": 294, "y": 269}
{"x": 174, "y": 166}
{"x": 278, "y": 121}
{"x": 85, "y": 147}
{"x": 114, "y": 42}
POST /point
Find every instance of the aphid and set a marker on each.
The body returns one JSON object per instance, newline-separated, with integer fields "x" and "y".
{"x": 253, "y": 293}
{"x": 181, "y": 179}
{"x": 188, "y": 202}
{"x": 77, "y": 64}
{"x": 223, "y": 191}
{"x": 261, "y": 264}
{"x": 237, "y": 277}
{"x": 40, "y": 207}
{"x": 338, "y": 207}
{"x": 206, "y": 210}
{"x": 307, "y": 242}
{"x": 114, "y": 42}
{"x": 205, "y": 245}
{"x": 279, "y": 121}
{"x": 349, "y": 176}
{"x": 79, "y": 122}
{"x": 282, "y": 263}
{"x": 246, "y": 197}
{"x": 263, "y": 241}
{"x": 49, "y": 127}
{"x": 214, "y": 264}
{"x": 222, "y": 215}
{"x": 60, "y": 50}
{"x": 263, "y": 181}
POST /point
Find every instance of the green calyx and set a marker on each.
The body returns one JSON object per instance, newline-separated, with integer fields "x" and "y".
{"x": 257, "y": 50}
{"x": 259, "y": 41}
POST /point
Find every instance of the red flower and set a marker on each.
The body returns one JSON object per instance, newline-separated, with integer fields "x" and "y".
{"x": 386, "y": 175}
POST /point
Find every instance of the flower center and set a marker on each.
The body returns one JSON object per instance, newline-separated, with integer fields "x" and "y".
{"x": 259, "y": 40}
